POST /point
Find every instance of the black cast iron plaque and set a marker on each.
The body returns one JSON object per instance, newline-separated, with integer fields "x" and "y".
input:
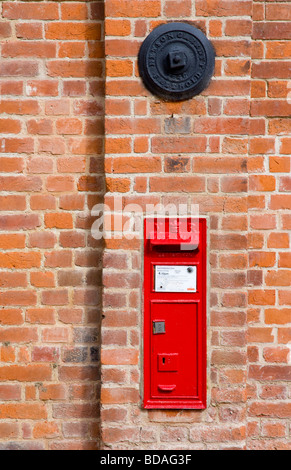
{"x": 176, "y": 61}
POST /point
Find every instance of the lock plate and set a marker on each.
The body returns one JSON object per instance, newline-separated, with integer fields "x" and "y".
{"x": 168, "y": 362}
{"x": 159, "y": 327}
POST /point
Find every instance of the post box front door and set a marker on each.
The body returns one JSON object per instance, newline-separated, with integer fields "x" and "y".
{"x": 175, "y": 316}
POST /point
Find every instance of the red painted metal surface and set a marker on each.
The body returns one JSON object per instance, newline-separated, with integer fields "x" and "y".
{"x": 175, "y": 364}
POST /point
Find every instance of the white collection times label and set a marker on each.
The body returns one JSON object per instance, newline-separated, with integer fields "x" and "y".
{"x": 176, "y": 279}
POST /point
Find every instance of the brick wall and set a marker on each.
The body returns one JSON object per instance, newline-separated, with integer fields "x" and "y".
{"x": 51, "y": 174}
{"x": 227, "y": 150}
{"x": 221, "y": 151}
{"x": 269, "y": 313}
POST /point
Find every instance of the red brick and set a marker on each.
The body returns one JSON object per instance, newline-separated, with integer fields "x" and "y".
{"x": 270, "y": 108}
{"x": 58, "y": 259}
{"x": 23, "y": 68}
{"x": 45, "y": 354}
{"x": 34, "y": 49}
{"x": 274, "y": 373}
{"x": 234, "y": 184}
{"x": 29, "y": 30}
{"x": 228, "y": 358}
{"x": 42, "y": 240}
{"x": 279, "y": 164}
{"x": 278, "y": 49}
{"x": 18, "y": 260}
{"x": 276, "y": 354}
{"x": 263, "y": 222}
{"x": 10, "y": 126}
{"x": 10, "y": 392}
{"x": 30, "y": 11}
{"x": 178, "y": 144}
{"x": 278, "y": 316}
{"x": 41, "y": 126}
{"x": 72, "y": 49}
{"x": 278, "y": 12}
{"x": 125, "y": 87}
{"x": 278, "y": 278}
{"x": 42, "y": 88}
{"x": 74, "y": 88}
{"x": 219, "y": 165}
{"x": 223, "y": 8}
{"x": 119, "y": 356}
{"x": 66, "y": 30}
{"x": 229, "y": 242}
{"x": 132, "y": 126}
{"x": 60, "y": 183}
{"x": 72, "y": 239}
{"x": 10, "y": 316}
{"x": 278, "y": 240}
{"x": 55, "y": 297}
{"x": 11, "y": 241}
{"x": 243, "y": 25}
{"x": 59, "y": 220}
{"x": 38, "y": 315}
{"x": 271, "y": 30}
{"x": 42, "y": 202}
{"x": 52, "y": 391}
{"x": 17, "y": 145}
{"x": 88, "y": 146}
{"x": 262, "y": 145}
{"x": 117, "y": 185}
{"x": 233, "y": 48}
{"x": 133, "y": 8}
{"x": 23, "y": 411}
{"x": 119, "y": 395}
{"x": 222, "y": 126}
{"x": 11, "y": 87}
{"x": 10, "y": 203}
{"x": 280, "y": 202}
{"x": 9, "y": 279}
{"x": 121, "y": 27}
{"x": 79, "y": 373}
{"x": 119, "y": 68}
{"x": 284, "y": 260}
{"x": 256, "y": 241}
{"x": 180, "y": 8}
{"x": 74, "y": 68}
{"x": 260, "y": 335}
{"x": 262, "y": 297}
{"x": 270, "y": 410}
{"x": 5, "y": 29}
{"x": 189, "y": 184}
{"x": 55, "y": 335}
{"x": 77, "y": 11}
{"x": 46, "y": 430}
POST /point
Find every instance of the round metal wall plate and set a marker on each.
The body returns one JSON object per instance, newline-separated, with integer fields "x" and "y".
{"x": 176, "y": 61}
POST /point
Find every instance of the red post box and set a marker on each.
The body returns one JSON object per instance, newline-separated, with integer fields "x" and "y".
{"x": 175, "y": 321}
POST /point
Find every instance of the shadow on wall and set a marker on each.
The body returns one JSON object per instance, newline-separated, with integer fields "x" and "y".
{"x": 87, "y": 336}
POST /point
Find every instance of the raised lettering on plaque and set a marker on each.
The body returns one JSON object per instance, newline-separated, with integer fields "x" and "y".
{"x": 176, "y": 61}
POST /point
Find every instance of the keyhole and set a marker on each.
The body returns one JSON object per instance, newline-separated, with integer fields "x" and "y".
{"x": 164, "y": 360}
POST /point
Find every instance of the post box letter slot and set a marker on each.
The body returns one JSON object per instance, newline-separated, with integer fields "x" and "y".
{"x": 166, "y": 388}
